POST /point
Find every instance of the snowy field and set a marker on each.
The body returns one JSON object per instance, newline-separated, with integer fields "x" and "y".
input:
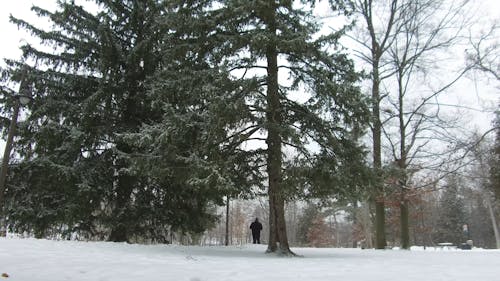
{"x": 43, "y": 260}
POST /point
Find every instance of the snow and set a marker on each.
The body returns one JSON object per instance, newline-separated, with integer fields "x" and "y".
{"x": 44, "y": 260}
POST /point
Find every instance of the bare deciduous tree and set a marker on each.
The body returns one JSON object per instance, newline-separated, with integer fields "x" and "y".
{"x": 484, "y": 52}
{"x": 430, "y": 27}
{"x": 375, "y": 42}
{"x": 403, "y": 44}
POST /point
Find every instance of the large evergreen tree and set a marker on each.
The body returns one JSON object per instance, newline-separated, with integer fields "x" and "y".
{"x": 258, "y": 44}
{"x": 93, "y": 94}
{"x": 89, "y": 89}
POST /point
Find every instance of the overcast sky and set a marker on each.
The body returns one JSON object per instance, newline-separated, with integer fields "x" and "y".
{"x": 12, "y": 37}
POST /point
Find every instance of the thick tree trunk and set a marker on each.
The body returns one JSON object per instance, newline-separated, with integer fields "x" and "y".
{"x": 380, "y": 239}
{"x": 367, "y": 225}
{"x": 272, "y": 245}
{"x": 278, "y": 240}
{"x": 405, "y": 226}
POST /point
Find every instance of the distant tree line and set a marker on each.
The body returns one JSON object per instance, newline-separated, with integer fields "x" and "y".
{"x": 456, "y": 212}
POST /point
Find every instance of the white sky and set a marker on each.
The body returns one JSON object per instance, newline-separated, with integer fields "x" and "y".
{"x": 11, "y": 35}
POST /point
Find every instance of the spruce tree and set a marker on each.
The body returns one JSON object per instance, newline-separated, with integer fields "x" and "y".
{"x": 190, "y": 150}
{"x": 93, "y": 95}
{"x": 256, "y": 44}
{"x": 89, "y": 90}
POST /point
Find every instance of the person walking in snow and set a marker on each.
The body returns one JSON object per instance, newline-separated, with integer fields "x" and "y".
{"x": 256, "y": 227}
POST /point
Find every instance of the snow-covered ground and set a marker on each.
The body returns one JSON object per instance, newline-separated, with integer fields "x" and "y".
{"x": 44, "y": 260}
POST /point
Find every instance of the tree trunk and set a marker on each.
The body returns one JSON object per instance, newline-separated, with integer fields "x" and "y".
{"x": 368, "y": 226}
{"x": 272, "y": 245}
{"x": 405, "y": 228}
{"x": 227, "y": 222}
{"x": 377, "y": 160}
{"x": 6, "y": 157}
{"x": 278, "y": 240}
{"x": 354, "y": 222}
{"x": 380, "y": 239}
{"x": 378, "y": 41}
{"x": 402, "y": 165}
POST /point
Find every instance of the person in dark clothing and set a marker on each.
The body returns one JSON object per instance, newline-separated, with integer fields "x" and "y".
{"x": 256, "y": 227}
